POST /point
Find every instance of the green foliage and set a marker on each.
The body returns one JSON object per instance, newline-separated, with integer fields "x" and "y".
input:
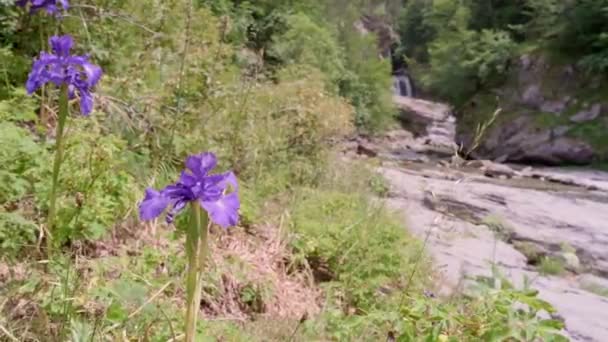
{"x": 21, "y": 159}
{"x": 367, "y": 83}
{"x": 415, "y": 30}
{"x": 491, "y": 312}
{"x": 305, "y": 42}
{"x": 461, "y": 63}
{"x": 322, "y": 35}
{"x": 582, "y": 32}
{"x": 502, "y": 230}
{"x": 452, "y": 60}
{"x": 329, "y": 228}
{"x": 96, "y": 186}
{"x": 174, "y": 85}
{"x": 508, "y": 15}
{"x": 16, "y": 233}
{"x": 551, "y": 266}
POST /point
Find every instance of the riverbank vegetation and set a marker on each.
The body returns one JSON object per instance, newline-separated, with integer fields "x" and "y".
{"x": 462, "y": 47}
{"x": 268, "y": 86}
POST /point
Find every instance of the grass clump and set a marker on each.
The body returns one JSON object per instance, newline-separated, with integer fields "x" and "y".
{"x": 348, "y": 241}
{"x": 551, "y": 266}
{"x": 531, "y": 251}
{"x": 499, "y": 226}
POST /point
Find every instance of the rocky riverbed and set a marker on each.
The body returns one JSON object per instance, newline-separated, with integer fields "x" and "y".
{"x": 527, "y": 221}
{"x": 474, "y": 222}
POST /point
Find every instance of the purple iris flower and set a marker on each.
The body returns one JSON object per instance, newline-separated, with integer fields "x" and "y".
{"x": 51, "y": 6}
{"x": 61, "y": 68}
{"x": 196, "y": 184}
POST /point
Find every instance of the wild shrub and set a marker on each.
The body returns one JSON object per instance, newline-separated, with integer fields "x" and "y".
{"x": 350, "y": 242}
{"x": 21, "y": 162}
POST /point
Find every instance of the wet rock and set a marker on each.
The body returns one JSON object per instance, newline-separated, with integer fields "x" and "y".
{"x": 587, "y": 115}
{"x": 525, "y": 62}
{"x": 398, "y": 136}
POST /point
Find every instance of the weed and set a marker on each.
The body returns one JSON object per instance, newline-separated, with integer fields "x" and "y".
{"x": 531, "y": 251}
{"x": 348, "y": 240}
{"x": 499, "y": 226}
{"x": 551, "y": 266}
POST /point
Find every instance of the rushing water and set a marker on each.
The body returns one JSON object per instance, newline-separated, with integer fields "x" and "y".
{"x": 402, "y": 86}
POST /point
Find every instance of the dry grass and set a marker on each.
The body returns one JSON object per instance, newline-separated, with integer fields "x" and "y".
{"x": 266, "y": 256}
{"x": 252, "y": 263}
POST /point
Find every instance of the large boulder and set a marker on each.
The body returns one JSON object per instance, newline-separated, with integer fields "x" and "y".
{"x": 431, "y": 122}
{"x": 521, "y": 141}
{"x": 552, "y": 114}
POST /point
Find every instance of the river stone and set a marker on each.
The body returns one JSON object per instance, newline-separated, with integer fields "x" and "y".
{"x": 587, "y": 115}
{"x": 464, "y": 250}
{"x": 554, "y": 107}
{"x": 532, "y": 96}
{"x": 588, "y": 280}
{"x": 571, "y": 261}
{"x": 438, "y": 124}
{"x": 523, "y": 142}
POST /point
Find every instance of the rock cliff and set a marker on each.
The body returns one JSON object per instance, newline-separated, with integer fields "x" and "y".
{"x": 552, "y": 113}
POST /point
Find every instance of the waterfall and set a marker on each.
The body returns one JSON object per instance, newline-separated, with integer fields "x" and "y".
{"x": 402, "y": 86}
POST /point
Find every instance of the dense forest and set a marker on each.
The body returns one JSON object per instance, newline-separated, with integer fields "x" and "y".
{"x": 542, "y": 62}
{"x": 465, "y": 46}
{"x": 268, "y": 86}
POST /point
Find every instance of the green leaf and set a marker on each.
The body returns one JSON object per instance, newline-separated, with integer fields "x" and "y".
{"x": 116, "y": 312}
{"x": 552, "y": 323}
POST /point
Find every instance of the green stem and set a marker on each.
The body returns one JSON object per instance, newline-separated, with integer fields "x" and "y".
{"x": 63, "y": 115}
{"x": 196, "y": 251}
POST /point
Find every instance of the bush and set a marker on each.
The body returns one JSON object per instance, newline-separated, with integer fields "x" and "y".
{"x": 452, "y": 60}
{"x": 306, "y": 43}
{"x": 461, "y": 64}
{"x": 354, "y": 245}
{"x": 415, "y": 30}
{"x": 367, "y": 83}
{"x": 21, "y": 160}
{"x": 96, "y": 188}
{"x": 489, "y": 313}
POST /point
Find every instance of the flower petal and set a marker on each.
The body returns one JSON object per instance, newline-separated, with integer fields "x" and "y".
{"x": 86, "y": 102}
{"x": 225, "y": 211}
{"x": 153, "y": 205}
{"x": 187, "y": 179}
{"x": 201, "y": 164}
{"x": 229, "y": 179}
{"x": 177, "y": 208}
{"x": 34, "y": 79}
{"x": 93, "y": 73}
{"x": 61, "y": 45}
